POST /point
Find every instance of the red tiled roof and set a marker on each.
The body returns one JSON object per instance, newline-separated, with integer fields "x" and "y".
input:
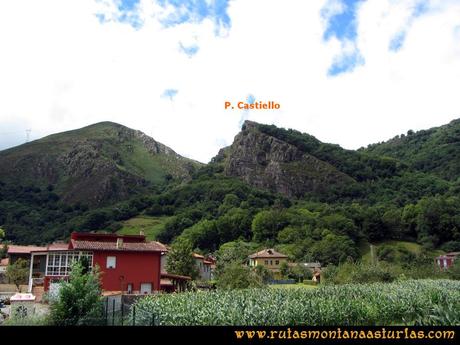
{"x": 133, "y": 247}
{"x": 13, "y": 249}
{"x": 206, "y": 262}
{"x": 267, "y": 253}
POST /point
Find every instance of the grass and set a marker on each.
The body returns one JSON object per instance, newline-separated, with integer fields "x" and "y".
{"x": 149, "y": 225}
{"x": 413, "y": 247}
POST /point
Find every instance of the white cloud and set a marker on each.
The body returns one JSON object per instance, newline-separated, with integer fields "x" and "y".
{"x": 61, "y": 69}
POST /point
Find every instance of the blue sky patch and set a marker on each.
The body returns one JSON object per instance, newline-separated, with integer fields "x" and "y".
{"x": 127, "y": 5}
{"x": 420, "y": 8}
{"x": 397, "y": 41}
{"x": 127, "y": 13}
{"x": 196, "y": 11}
{"x": 169, "y": 93}
{"x": 189, "y": 50}
{"x": 341, "y": 24}
{"x": 346, "y": 63}
{"x": 184, "y": 11}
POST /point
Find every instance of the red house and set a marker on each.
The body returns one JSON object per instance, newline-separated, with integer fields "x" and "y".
{"x": 447, "y": 260}
{"x": 127, "y": 263}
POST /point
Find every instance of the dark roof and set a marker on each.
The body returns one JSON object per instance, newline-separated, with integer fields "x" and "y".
{"x": 267, "y": 253}
{"x": 451, "y": 255}
{"x": 112, "y": 246}
{"x": 174, "y": 276}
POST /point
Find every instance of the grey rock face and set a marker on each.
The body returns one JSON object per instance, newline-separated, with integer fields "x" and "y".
{"x": 269, "y": 163}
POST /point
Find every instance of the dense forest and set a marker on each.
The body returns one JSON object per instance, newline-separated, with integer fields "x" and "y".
{"x": 394, "y": 196}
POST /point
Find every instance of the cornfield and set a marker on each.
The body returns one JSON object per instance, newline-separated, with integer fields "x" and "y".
{"x": 411, "y": 302}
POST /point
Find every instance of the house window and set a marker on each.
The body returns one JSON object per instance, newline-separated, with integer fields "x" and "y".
{"x": 266, "y": 262}
{"x": 60, "y": 263}
{"x": 277, "y": 262}
{"x": 271, "y": 262}
{"x": 130, "y": 288}
{"x": 111, "y": 261}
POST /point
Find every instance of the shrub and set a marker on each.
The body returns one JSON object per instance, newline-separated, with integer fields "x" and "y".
{"x": 79, "y": 301}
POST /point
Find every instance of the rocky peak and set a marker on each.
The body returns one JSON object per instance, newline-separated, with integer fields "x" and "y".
{"x": 267, "y": 162}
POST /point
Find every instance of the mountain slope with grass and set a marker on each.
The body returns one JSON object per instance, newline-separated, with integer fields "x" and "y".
{"x": 95, "y": 165}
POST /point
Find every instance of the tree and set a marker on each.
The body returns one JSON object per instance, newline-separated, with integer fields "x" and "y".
{"x": 284, "y": 269}
{"x": 263, "y": 273}
{"x": 334, "y": 249}
{"x": 79, "y": 301}
{"x": 237, "y": 276}
{"x": 18, "y": 272}
{"x": 300, "y": 273}
{"x": 233, "y": 252}
{"x": 454, "y": 271}
{"x": 181, "y": 260}
{"x": 4, "y": 246}
{"x": 267, "y": 224}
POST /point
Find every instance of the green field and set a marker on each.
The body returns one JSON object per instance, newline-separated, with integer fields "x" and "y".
{"x": 149, "y": 225}
{"x": 413, "y": 247}
{"x": 409, "y": 302}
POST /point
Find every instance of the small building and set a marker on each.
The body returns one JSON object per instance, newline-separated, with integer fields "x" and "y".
{"x": 270, "y": 259}
{"x": 128, "y": 263}
{"x": 447, "y": 260}
{"x": 204, "y": 266}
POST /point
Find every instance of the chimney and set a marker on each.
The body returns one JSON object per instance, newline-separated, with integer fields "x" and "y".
{"x": 119, "y": 243}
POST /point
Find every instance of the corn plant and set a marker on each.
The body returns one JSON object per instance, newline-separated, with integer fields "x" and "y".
{"x": 433, "y": 302}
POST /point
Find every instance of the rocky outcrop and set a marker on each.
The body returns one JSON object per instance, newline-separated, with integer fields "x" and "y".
{"x": 269, "y": 163}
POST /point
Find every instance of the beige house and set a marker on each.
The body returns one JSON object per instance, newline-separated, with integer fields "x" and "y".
{"x": 270, "y": 259}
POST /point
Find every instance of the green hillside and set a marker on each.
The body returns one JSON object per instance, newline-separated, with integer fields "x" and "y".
{"x": 436, "y": 150}
{"x": 150, "y": 226}
{"x": 95, "y": 165}
{"x": 271, "y": 188}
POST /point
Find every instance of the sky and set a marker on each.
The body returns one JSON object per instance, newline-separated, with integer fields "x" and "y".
{"x": 350, "y": 72}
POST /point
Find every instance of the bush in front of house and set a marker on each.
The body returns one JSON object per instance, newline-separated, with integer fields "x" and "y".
{"x": 79, "y": 301}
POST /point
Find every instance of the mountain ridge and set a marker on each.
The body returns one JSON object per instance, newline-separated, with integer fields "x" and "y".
{"x": 96, "y": 164}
